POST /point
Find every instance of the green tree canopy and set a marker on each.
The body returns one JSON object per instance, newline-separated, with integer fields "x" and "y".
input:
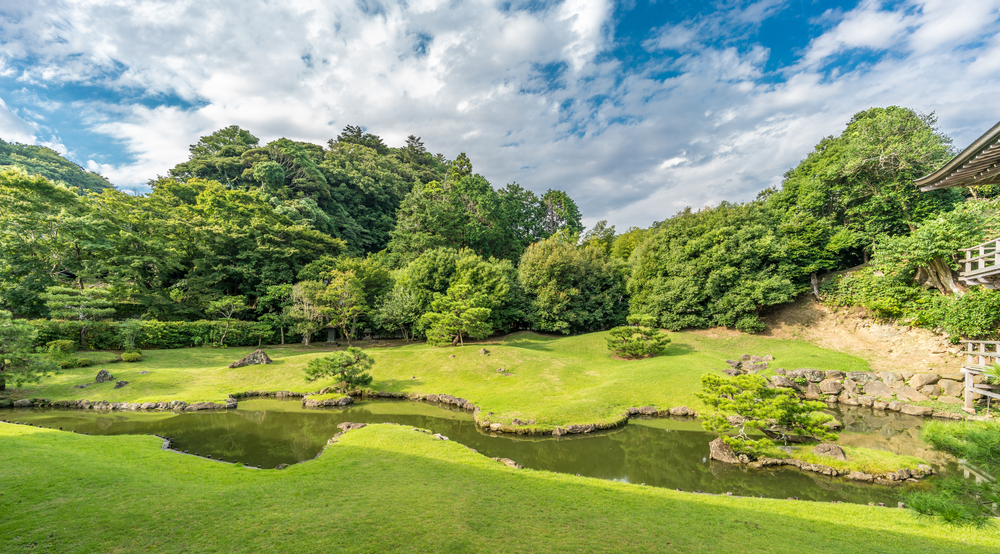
{"x": 17, "y": 363}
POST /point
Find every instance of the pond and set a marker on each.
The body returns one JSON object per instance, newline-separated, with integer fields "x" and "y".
{"x": 663, "y": 452}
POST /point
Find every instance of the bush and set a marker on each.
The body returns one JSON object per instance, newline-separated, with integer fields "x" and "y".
{"x": 83, "y": 362}
{"x": 349, "y": 366}
{"x": 61, "y": 346}
{"x": 131, "y": 357}
{"x": 637, "y": 342}
{"x": 67, "y": 363}
{"x": 104, "y": 335}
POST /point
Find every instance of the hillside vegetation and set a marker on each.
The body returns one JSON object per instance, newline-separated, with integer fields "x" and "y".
{"x": 40, "y": 160}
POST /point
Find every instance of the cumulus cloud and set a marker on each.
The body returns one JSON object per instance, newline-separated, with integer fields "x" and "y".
{"x": 530, "y": 91}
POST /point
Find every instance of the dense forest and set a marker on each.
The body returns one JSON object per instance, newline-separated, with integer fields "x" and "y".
{"x": 293, "y": 238}
{"x": 46, "y": 162}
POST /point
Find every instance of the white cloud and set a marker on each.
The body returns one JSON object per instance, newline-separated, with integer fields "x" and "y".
{"x": 15, "y": 129}
{"x": 525, "y": 93}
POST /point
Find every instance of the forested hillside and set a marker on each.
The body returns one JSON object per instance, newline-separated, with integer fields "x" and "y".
{"x": 356, "y": 235}
{"x": 49, "y": 164}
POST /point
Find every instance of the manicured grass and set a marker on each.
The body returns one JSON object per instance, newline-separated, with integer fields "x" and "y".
{"x": 865, "y": 460}
{"x": 554, "y": 381}
{"x": 388, "y": 488}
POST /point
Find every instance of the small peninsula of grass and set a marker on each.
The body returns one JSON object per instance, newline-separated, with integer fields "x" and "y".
{"x": 865, "y": 460}
{"x": 388, "y": 488}
{"x": 550, "y": 379}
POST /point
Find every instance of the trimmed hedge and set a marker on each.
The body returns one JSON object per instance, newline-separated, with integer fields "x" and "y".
{"x": 102, "y": 335}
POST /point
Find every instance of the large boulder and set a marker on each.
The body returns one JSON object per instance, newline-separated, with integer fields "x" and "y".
{"x": 910, "y": 409}
{"x": 830, "y": 386}
{"x": 103, "y": 376}
{"x": 783, "y": 382}
{"x": 719, "y": 450}
{"x": 254, "y": 358}
{"x": 812, "y": 392}
{"x": 878, "y": 389}
{"x": 850, "y": 386}
{"x": 349, "y": 426}
{"x": 23, "y": 403}
{"x": 861, "y": 377}
{"x": 831, "y": 450}
{"x": 682, "y": 411}
{"x": 909, "y": 394}
{"x": 951, "y": 388}
{"x": 953, "y": 376}
{"x": 930, "y": 390}
{"x": 835, "y": 374}
{"x": 921, "y": 380}
{"x": 891, "y": 378}
{"x": 120, "y": 384}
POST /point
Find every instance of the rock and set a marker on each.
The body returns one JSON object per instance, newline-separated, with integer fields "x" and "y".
{"x": 907, "y": 375}
{"x": 951, "y": 388}
{"x": 745, "y": 358}
{"x": 143, "y": 373}
{"x": 509, "y": 463}
{"x": 557, "y": 432}
{"x": 859, "y": 476}
{"x": 254, "y": 358}
{"x": 895, "y": 406}
{"x": 452, "y": 356}
{"x": 921, "y": 380}
{"x": 281, "y": 466}
{"x": 930, "y": 390}
{"x": 830, "y": 386}
{"x": 23, "y": 403}
{"x": 757, "y": 368}
{"x": 722, "y": 452}
{"x": 878, "y": 389}
{"x": 648, "y": 411}
{"x": 812, "y": 392}
{"x": 633, "y": 411}
{"x": 516, "y": 421}
{"x": 909, "y": 394}
{"x": 950, "y": 400}
{"x": 953, "y": 376}
{"x": 756, "y": 359}
{"x": 811, "y": 375}
{"x": 768, "y": 358}
{"x": 861, "y": 377}
{"x": 879, "y": 405}
{"x": 910, "y": 409}
{"x": 732, "y": 372}
{"x": 349, "y": 426}
{"x": 847, "y": 399}
{"x": 779, "y": 371}
{"x": 497, "y": 427}
{"x": 148, "y": 406}
{"x": 850, "y": 386}
{"x": 197, "y": 406}
{"x": 103, "y": 376}
{"x": 484, "y": 352}
{"x": 891, "y": 378}
{"x": 440, "y": 436}
{"x": 831, "y": 450}
{"x": 120, "y": 384}
{"x": 866, "y": 401}
{"x": 733, "y": 364}
{"x": 835, "y": 374}
{"x": 783, "y": 382}
{"x": 833, "y": 425}
{"x": 681, "y": 411}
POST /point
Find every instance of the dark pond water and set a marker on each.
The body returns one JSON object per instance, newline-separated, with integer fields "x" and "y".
{"x": 671, "y": 453}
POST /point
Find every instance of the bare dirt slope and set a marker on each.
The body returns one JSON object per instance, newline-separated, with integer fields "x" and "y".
{"x": 886, "y": 347}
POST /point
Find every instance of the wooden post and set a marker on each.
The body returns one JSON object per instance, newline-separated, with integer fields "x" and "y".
{"x": 968, "y": 392}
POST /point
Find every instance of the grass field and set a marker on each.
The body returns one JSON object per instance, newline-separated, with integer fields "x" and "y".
{"x": 554, "y": 381}
{"x": 388, "y": 488}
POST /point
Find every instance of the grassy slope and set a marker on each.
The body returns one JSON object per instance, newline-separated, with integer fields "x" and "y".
{"x": 555, "y": 381}
{"x": 387, "y": 487}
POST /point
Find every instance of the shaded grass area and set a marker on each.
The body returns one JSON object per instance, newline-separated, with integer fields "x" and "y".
{"x": 388, "y": 488}
{"x": 865, "y": 460}
{"x": 552, "y": 380}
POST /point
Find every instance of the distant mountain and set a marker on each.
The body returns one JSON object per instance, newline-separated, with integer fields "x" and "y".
{"x": 49, "y": 164}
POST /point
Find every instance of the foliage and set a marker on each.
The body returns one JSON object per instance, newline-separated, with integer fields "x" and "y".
{"x": 344, "y": 300}
{"x": 83, "y": 305}
{"x": 17, "y": 363}
{"x": 573, "y": 289}
{"x": 272, "y": 307}
{"x": 227, "y": 307}
{"x": 308, "y": 309}
{"x": 456, "y": 315}
{"x": 47, "y": 163}
{"x": 131, "y": 357}
{"x": 62, "y": 346}
{"x": 626, "y": 243}
{"x": 637, "y": 342}
{"x": 350, "y": 367}
{"x": 399, "y": 310}
{"x": 600, "y": 236}
{"x": 957, "y": 500}
{"x": 776, "y": 412}
{"x": 128, "y": 331}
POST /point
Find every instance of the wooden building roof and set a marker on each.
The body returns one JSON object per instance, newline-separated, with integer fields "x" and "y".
{"x": 979, "y": 164}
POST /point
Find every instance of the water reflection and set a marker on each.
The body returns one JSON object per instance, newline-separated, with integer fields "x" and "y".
{"x": 668, "y": 453}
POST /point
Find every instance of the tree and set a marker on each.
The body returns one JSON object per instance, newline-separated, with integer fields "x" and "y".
{"x": 85, "y": 306}
{"x": 561, "y": 212}
{"x": 128, "y": 331}
{"x": 600, "y": 236}
{"x": 398, "y": 310}
{"x": 17, "y": 364}
{"x": 227, "y": 307}
{"x": 456, "y": 315}
{"x": 776, "y": 412}
{"x": 638, "y": 341}
{"x": 308, "y": 310}
{"x": 573, "y": 289}
{"x": 350, "y": 367}
{"x": 627, "y": 242}
{"x": 345, "y": 301}
{"x": 272, "y": 307}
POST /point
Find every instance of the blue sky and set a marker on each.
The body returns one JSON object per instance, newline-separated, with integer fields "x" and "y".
{"x": 636, "y": 108}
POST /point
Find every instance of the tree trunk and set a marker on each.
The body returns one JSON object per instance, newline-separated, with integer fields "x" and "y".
{"x": 346, "y": 335}
{"x": 282, "y": 335}
{"x": 815, "y": 284}
{"x": 222, "y": 341}
{"x": 83, "y": 336}
{"x": 305, "y": 338}
{"x": 3, "y": 382}
{"x": 939, "y": 275}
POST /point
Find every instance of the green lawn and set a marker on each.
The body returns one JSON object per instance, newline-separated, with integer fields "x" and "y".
{"x": 388, "y": 488}
{"x": 555, "y": 381}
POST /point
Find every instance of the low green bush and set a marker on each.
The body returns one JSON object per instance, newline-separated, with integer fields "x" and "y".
{"x": 83, "y": 362}
{"x": 62, "y": 345}
{"x": 105, "y": 335}
{"x": 637, "y": 342}
{"x": 131, "y": 357}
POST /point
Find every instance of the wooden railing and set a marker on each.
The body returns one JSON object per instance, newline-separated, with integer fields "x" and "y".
{"x": 980, "y": 353}
{"x": 982, "y": 258}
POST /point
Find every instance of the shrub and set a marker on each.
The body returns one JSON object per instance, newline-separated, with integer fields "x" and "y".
{"x": 349, "y": 366}
{"x": 637, "y": 342}
{"x": 83, "y": 362}
{"x": 67, "y": 363}
{"x": 131, "y": 357}
{"x": 61, "y": 346}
